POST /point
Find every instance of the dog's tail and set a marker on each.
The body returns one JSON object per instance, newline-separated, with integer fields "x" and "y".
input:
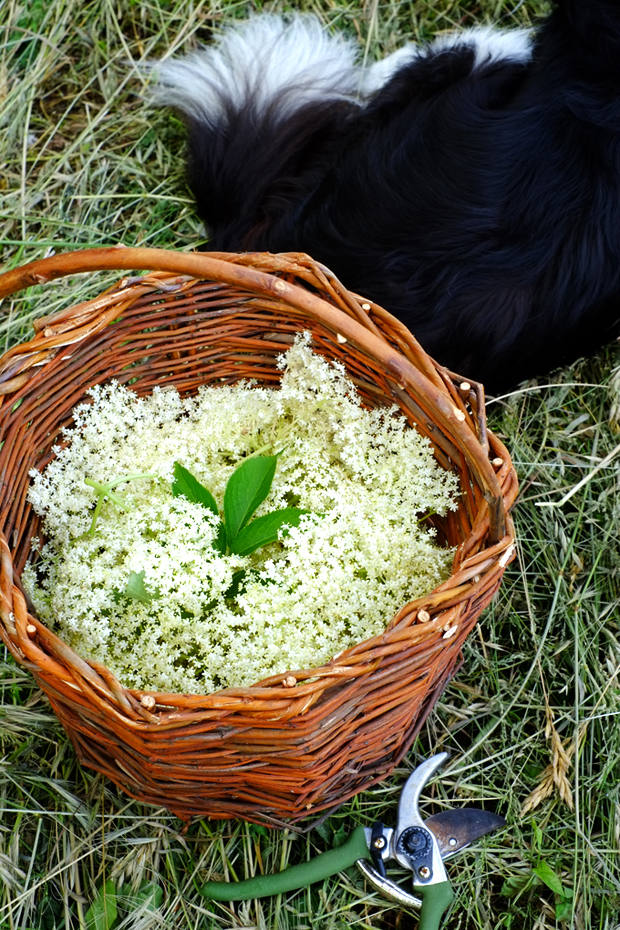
{"x": 266, "y": 108}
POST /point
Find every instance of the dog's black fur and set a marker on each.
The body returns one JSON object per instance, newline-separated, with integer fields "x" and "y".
{"x": 479, "y": 203}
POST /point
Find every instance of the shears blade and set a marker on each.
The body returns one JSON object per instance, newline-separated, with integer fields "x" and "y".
{"x": 454, "y": 829}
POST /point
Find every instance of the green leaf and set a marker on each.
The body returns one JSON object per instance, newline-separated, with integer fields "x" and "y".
{"x": 136, "y": 589}
{"x": 185, "y": 485}
{"x": 533, "y": 771}
{"x": 150, "y": 897}
{"x": 237, "y": 584}
{"x": 563, "y": 909}
{"x": 247, "y": 488}
{"x": 147, "y": 899}
{"x": 103, "y": 911}
{"x": 549, "y": 877}
{"x": 326, "y": 832}
{"x": 265, "y": 530}
{"x": 515, "y": 884}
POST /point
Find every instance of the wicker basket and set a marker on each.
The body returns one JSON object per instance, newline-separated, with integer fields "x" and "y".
{"x": 296, "y": 743}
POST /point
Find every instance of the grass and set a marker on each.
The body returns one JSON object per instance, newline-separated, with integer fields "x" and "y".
{"x": 85, "y": 163}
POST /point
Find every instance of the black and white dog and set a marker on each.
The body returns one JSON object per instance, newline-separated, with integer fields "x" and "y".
{"x": 471, "y": 186}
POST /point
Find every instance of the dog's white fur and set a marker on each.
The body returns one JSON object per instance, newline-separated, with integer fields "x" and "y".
{"x": 260, "y": 59}
{"x": 490, "y": 45}
{"x": 266, "y": 56}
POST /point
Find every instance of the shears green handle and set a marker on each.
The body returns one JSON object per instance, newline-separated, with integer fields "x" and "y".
{"x": 297, "y": 876}
{"x": 435, "y": 898}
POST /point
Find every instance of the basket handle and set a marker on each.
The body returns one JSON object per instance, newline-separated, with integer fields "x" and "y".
{"x": 221, "y": 268}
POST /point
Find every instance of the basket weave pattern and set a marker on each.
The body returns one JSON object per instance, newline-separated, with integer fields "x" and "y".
{"x": 295, "y": 743}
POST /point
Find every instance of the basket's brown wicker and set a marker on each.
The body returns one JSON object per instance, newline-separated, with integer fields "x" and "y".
{"x": 299, "y": 742}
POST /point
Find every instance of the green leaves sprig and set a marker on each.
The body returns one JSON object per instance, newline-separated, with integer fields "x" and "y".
{"x": 247, "y": 488}
{"x": 237, "y": 533}
{"x": 104, "y": 492}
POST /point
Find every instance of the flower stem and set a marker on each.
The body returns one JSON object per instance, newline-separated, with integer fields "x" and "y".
{"x": 103, "y": 491}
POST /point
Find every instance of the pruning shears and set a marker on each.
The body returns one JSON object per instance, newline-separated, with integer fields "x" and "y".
{"x": 416, "y": 844}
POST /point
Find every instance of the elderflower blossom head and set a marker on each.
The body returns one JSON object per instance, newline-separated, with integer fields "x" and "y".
{"x": 363, "y": 477}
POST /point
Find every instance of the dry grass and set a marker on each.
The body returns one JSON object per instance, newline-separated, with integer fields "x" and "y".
{"x": 534, "y": 713}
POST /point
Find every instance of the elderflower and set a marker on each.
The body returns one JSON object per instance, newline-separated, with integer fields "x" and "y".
{"x": 363, "y": 479}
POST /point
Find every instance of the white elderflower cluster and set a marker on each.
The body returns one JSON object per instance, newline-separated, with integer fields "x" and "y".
{"x": 363, "y": 477}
